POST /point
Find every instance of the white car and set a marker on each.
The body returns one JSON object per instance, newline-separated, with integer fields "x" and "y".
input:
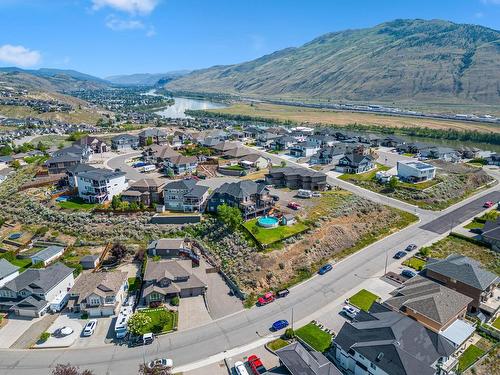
{"x": 350, "y": 311}
{"x": 240, "y": 368}
{"x": 163, "y": 363}
{"x": 316, "y": 194}
{"x": 90, "y": 327}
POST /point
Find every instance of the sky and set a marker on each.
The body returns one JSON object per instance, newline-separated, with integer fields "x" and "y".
{"x": 108, "y": 37}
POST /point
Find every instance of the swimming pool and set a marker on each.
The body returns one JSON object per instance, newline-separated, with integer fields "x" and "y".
{"x": 268, "y": 222}
{"x": 62, "y": 198}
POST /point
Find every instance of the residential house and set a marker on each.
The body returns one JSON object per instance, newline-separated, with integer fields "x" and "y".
{"x": 31, "y": 293}
{"x": 185, "y": 195}
{"x": 493, "y": 159}
{"x": 255, "y": 161}
{"x": 124, "y": 142}
{"x": 413, "y": 147}
{"x": 236, "y": 153}
{"x": 166, "y": 279}
{"x": 67, "y": 157}
{"x": 100, "y": 185}
{"x": 6, "y": 160}
{"x": 224, "y": 146}
{"x": 7, "y": 271}
{"x": 283, "y": 143}
{"x": 251, "y": 198}
{"x": 431, "y": 304}
{"x": 469, "y": 152}
{"x": 169, "y": 247}
{"x": 355, "y": 163}
{"x": 147, "y": 191}
{"x": 296, "y": 178}
{"x": 89, "y": 262}
{"x": 99, "y": 293}
{"x": 329, "y": 155}
{"x": 392, "y": 141}
{"x": 304, "y": 149}
{"x": 300, "y": 361}
{"x": 490, "y": 233}
{"x": 181, "y": 164}
{"x": 442, "y": 153}
{"x": 73, "y": 171}
{"x": 157, "y": 154}
{"x": 152, "y": 136}
{"x": 386, "y": 342}
{"x": 47, "y": 255}
{"x": 96, "y": 145}
{"x": 415, "y": 171}
{"x": 266, "y": 139}
{"x": 466, "y": 276}
{"x": 370, "y": 139}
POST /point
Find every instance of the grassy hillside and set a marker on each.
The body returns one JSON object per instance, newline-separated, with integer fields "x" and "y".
{"x": 400, "y": 61}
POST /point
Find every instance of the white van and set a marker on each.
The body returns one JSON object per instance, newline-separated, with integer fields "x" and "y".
{"x": 89, "y": 327}
{"x": 148, "y": 168}
{"x": 303, "y": 193}
{"x": 240, "y": 368}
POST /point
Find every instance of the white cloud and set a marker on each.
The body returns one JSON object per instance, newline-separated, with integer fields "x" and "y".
{"x": 129, "y": 6}
{"x": 19, "y": 55}
{"x": 118, "y": 24}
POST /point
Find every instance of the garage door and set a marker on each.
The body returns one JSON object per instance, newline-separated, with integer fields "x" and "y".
{"x": 28, "y": 313}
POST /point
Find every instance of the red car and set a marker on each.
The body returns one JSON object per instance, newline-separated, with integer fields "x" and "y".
{"x": 488, "y": 204}
{"x": 293, "y": 205}
{"x": 266, "y": 298}
{"x": 256, "y": 365}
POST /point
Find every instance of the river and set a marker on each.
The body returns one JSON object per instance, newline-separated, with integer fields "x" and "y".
{"x": 182, "y": 104}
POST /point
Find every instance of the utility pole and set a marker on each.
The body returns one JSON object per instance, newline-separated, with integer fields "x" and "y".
{"x": 292, "y": 318}
{"x": 386, "y": 259}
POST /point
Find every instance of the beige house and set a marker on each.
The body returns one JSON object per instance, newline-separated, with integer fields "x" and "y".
{"x": 99, "y": 294}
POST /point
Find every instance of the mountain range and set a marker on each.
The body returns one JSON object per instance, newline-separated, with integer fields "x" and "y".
{"x": 146, "y": 79}
{"x": 402, "y": 60}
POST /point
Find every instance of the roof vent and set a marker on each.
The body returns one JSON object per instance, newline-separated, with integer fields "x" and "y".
{"x": 379, "y": 356}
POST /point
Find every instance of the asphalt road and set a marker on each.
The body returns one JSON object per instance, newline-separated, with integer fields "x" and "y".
{"x": 247, "y": 327}
{"x": 118, "y": 162}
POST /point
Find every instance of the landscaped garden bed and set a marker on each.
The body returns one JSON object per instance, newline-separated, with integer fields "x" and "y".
{"x": 267, "y": 236}
{"x": 416, "y": 263}
{"x": 363, "y": 299}
{"x": 469, "y": 356}
{"x": 277, "y": 344}
{"x": 162, "y": 320}
{"x": 315, "y": 337}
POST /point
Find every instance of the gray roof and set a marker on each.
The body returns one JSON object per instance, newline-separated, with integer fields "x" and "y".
{"x": 184, "y": 184}
{"x": 6, "y": 268}
{"x": 101, "y": 174}
{"x": 463, "y": 269}
{"x": 152, "y": 133}
{"x": 241, "y": 189}
{"x": 48, "y": 252}
{"x": 394, "y": 342}
{"x": 430, "y": 299}
{"x": 299, "y": 361}
{"x": 290, "y": 171}
{"x": 124, "y": 137}
{"x": 101, "y": 283}
{"x": 80, "y": 167}
{"x": 196, "y": 192}
{"x": 167, "y": 243}
{"x": 40, "y": 280}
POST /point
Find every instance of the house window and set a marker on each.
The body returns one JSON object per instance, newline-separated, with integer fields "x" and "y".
{"x": 95, "y": 301}
{"x": 154, "y": 297}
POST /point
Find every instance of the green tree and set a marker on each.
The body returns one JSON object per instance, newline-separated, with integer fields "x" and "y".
{"x": 16, "y": 164}
{"x": 134, "y": 206}
{"x": 41, "y": 146}
{"x": 5, "y": 150}
{"x": 149, "y": 141}
{"x": 138, "y": 323}
{"x": 393, "y": 183}
{"x": 231, "y": 216}
{"x": 170, "y": 173}
{"x": 115, "y": 202}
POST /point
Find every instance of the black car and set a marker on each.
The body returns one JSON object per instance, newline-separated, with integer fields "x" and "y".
{"x": 400, "y": 254}
{"x": 140, "y": 340}
{"x": 411, "y": 247}
{"x": 282, "y": 293}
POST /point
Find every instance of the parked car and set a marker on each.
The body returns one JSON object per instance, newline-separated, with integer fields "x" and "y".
{"x": 161, "y": 363}
{"x": 327, "y": 267}
{"x": 408, "y": 273}
{"x": 240, "y": 368}
{"x": 293, "y": 205}
{"x": 282, "y": 293}
{"x": 316, "y": 194}
{"x": 279, "y": 324}
{"x": 350, "y": 311}
{"x": 488, "y": 204}
{"x": 303, "y": 193}
{"x": 411, "y": 247}
{"x": 400, "y": 254}
{"x": 265, "y": 299}
{"x": 256, "y": 365}
{"x": 145, "y": 339}
{"x": 89, "y": 328}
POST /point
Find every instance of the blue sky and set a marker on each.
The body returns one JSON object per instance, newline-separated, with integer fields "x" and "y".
{"x": 105, "y": 37}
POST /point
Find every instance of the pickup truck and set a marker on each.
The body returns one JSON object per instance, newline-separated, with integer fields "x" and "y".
{"x": 256, "y": 365}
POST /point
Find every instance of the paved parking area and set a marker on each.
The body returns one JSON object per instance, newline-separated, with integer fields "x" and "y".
{"x": 192, "y": 313}
{"x": 14, "y": 329}
{"x": 63, "y": 320}
{"x": 103, "y": 334}
{"x": 215, "y": 182}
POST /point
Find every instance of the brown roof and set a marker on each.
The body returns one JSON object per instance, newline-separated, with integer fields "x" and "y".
{"x": 100, "y": 283}
{"x": 237, "y": 152}
{"x": 225, "y": 145}
{"x": 252, "y": 158}
{"x": 147, "y": 183}
{"x": 181, "y": 159}
{"x": 163, "y": 152}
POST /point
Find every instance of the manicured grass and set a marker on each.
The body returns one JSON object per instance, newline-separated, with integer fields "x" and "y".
{"x": 370, "y": 175}
{"x": 469, "y": 356}
{"x": 76, "y": 204}
{"x": 267, "y": 236}
{"x": 133, "y": 284}
{"x": 496, "y": 323}
{"x": 23, "y": 264}
{"x": 318, "y": 339}
{"x": 162, "y": 320}
{"x": 474, "y": 225}
{"x": 277, "y": 344}
{"x": 234, "y": 167}
{"x": 363, "y": 299}
{"x": 415, "y": 263}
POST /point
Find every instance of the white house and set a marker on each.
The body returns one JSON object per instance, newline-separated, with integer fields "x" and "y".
{"x": 47, "y": 255}
{"x": 415, "y": 171}
{"x": 100, "y": 185}
{"x": 7, "y": 271}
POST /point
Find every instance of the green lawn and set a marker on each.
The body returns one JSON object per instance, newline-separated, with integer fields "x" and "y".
{"x": 318, "y": 339}
{"x": 370, "y": 175}
{"x": 277, "y": 344}
{"x": 474, "y": 225}
{"x": 363, "y": 299}
{"x": 162, "y": 320}
{"x": 267, "y": 236}
{"x": 133, "y": 284}
{"x": 415, "y": 263}
{"x": 469, "y": 356}
{"x": 76, "y": 204}
{"x": 496, "y": 323}
{"x": 234, "y": 167}
{"x": 23, "y": 264}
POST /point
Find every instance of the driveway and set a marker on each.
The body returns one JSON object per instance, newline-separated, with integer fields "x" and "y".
{"x": 63, "y": 320}
{"x": 14, "y": 329}
{"x": 103, "y": 334}
{"x": 192, "y": 313}
{"x": 31, "y": 335}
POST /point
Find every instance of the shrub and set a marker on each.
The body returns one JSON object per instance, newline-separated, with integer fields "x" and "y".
{"x": 174, "y": 301}
{"x": 289, "y": 334}
{"x": 44, "y": 336}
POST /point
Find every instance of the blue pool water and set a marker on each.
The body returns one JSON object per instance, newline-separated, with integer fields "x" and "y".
{"x": 268, "y": 222}
{"x": 62, "y": 198}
